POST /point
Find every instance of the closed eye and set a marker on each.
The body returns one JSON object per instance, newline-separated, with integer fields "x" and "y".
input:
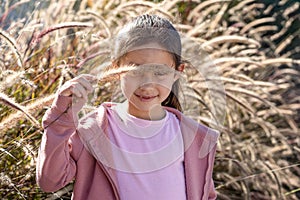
{"x": 134, "y": 64}
{"x": 161, "y": 73}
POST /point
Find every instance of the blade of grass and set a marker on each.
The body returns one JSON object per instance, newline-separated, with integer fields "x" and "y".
{"x": 11, "y": 41}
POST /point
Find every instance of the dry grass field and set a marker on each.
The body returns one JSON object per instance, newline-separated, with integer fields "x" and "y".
{"x": 255, "y": 45}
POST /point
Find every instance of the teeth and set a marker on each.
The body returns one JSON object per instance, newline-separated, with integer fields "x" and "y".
{"x": 148, "y": 97}
{"x": 145, "y": 97}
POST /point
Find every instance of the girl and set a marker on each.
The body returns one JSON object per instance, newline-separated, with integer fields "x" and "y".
{"x": 143, "y": 148}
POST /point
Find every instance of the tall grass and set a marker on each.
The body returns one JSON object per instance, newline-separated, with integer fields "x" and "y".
{"x": 254, "y": 44}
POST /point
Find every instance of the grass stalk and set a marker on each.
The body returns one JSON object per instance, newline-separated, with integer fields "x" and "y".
{"x": 65, "y": 25}
{"x": 11, "y": 41}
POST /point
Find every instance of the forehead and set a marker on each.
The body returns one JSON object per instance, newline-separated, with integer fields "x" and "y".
{"x": 148, "y": 55}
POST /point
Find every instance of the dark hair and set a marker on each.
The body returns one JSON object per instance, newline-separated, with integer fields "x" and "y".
{"x": 147, "y": 29}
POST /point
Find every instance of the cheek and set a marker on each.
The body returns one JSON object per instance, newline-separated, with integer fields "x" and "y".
{"x": 165, "y": 89}
{"x": 167, "y": 84}
{"x": 128, "y": 86}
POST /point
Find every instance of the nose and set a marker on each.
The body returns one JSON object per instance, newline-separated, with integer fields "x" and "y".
{"x": 147, "y": 80}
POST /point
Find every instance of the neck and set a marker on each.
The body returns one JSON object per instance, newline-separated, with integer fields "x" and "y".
{"x": 155, "y": 113}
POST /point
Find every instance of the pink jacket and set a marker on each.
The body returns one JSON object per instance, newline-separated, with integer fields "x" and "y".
{"x": 65, "y": 153}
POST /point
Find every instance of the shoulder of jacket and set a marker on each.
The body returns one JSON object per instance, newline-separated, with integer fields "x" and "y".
{"x": 210, "y": 140}
{"x": 202, "y": 130}
{"x": 192, "y": 130}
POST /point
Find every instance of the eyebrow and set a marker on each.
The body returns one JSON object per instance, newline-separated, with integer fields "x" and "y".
{"x": 133, "y": 63}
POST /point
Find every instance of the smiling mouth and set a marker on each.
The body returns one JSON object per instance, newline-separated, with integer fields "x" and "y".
{"x": 145, "y": 98}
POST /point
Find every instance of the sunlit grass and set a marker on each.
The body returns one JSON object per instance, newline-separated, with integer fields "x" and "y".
{"x": 254, "y": 44}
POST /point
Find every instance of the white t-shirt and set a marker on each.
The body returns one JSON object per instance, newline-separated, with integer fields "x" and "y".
{"x": 150, "y": 166}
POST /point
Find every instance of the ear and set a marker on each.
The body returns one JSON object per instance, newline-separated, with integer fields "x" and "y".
{"x": 180, "y": 69}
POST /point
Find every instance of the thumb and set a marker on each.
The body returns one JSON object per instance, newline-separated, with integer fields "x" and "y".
{"x": 91, "y": 78}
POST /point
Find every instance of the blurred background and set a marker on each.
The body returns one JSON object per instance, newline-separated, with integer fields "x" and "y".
{"x": 254, "y": 44}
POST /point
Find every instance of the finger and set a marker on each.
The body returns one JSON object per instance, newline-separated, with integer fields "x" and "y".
{"x": 71, "y": 86}
{"x": 91, "y": 78}
{"x": 86, "y": 84}
{"x": 76, "y": 90}
{"x": 65, "y": 92}
{"x": 66, "y": 89}
{"x": 82, "y": 91}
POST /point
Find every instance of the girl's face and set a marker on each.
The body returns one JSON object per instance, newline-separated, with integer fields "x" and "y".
{"x": 150, "y": 83}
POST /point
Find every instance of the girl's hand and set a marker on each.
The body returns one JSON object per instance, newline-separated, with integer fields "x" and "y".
{"x": 79, "y": 88}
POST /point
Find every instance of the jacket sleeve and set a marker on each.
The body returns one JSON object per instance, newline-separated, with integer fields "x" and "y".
{"x": 55, "y": 165}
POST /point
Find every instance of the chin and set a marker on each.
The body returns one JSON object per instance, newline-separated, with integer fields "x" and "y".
{"x": 145, "y": 106}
